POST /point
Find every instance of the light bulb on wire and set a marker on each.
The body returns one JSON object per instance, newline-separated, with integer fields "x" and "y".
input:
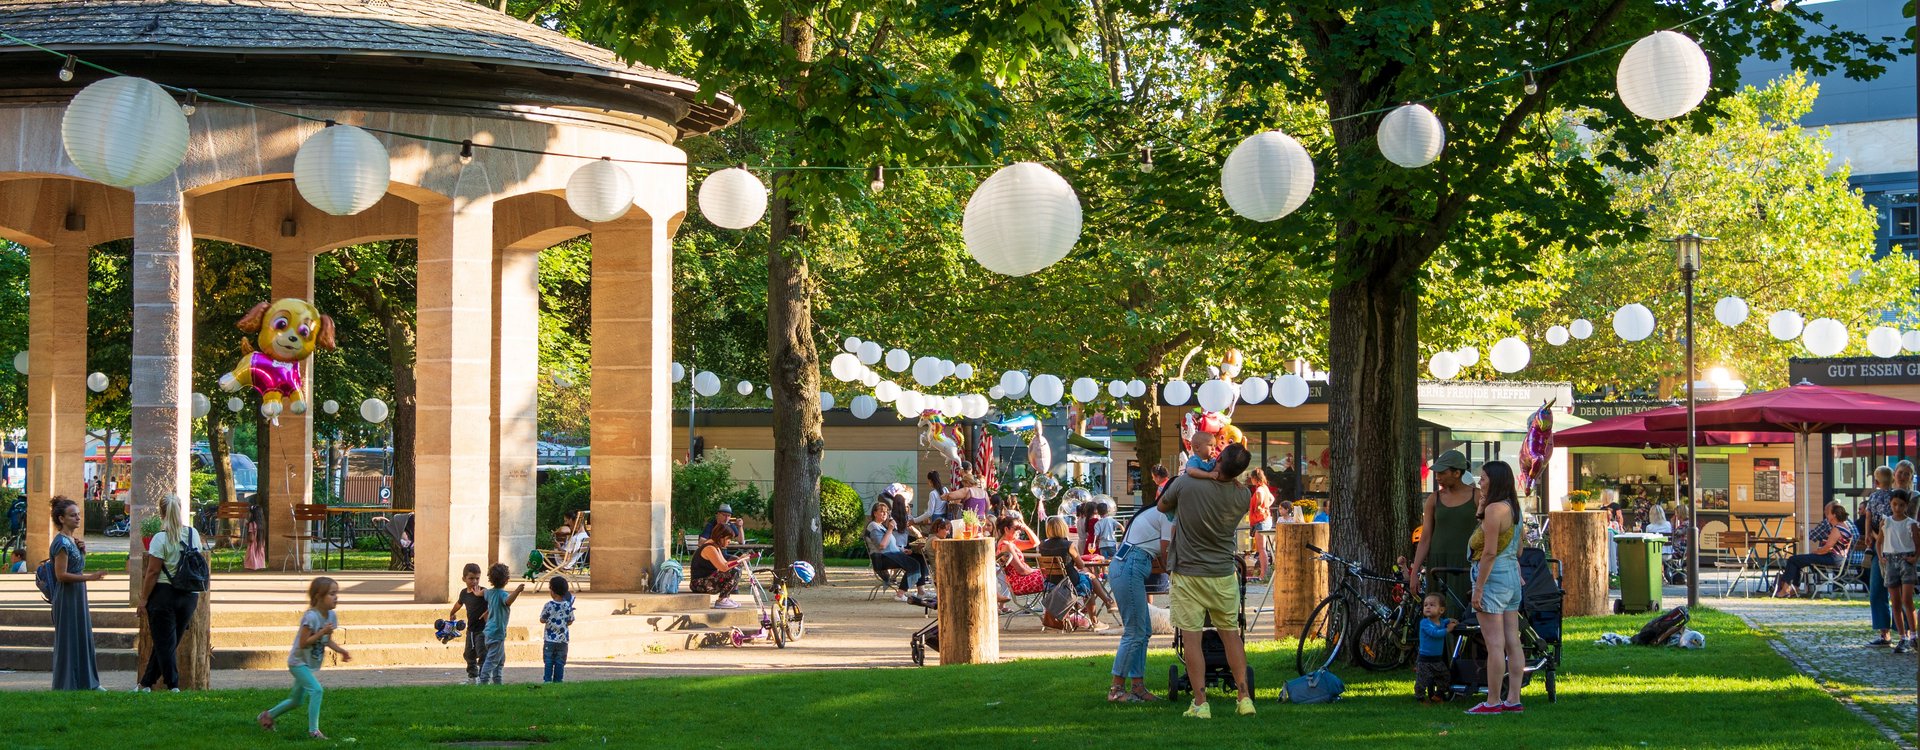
{"x": 1531, "y": 87}
{"x": 466, "y": 151}
{"x": 66, "y": 70}
{"x": 1146, "y": 159}
{"x": 192, "y": 104}
{"x": 877, "y": 178}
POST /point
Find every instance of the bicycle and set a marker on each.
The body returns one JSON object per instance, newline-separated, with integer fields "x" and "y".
{"x": 1331, "y": 622}
{"x": 780, "y": 615}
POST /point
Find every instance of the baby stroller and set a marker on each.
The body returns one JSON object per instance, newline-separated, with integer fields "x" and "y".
{"x": 1218, "y": 672}
{"x": 1540, "y": 624}
{"x": 928, "y": 636}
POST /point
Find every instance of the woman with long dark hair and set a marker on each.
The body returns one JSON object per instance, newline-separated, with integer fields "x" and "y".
{"x": 1496, "y": 588}
{"x": 73, "y": 656}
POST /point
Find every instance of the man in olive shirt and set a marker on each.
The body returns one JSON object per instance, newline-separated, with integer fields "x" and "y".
{"x": 1207, "y": 515}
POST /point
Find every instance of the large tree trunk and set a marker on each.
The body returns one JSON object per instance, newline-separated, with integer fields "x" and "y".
{"x": 1147, "y": 440}
{"x": 400, "y": 344}
{"x": 220, "y": 448}
{"x": 793, "y": 363}
{"x": 1374, "y": 394}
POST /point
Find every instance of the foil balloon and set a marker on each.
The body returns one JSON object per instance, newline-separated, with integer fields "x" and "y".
{"x": 1537, "y": 449}
{"x": 1039, "y": 454}
{"x": 287, "y": 332}
{"x": 1043, "y": 488}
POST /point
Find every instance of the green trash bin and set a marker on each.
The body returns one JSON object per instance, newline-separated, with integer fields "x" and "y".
{"x": 1641, "y": 573}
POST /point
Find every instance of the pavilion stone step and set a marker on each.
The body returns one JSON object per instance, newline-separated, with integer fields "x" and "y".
{"x": 42, "y": 615}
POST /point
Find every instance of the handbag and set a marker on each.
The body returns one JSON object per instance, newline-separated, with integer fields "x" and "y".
{"x": 1321, "y": 686}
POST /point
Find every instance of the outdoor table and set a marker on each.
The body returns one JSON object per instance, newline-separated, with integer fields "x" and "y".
{"x": 343, "y": 541}
{"x": 1763, "y": 535}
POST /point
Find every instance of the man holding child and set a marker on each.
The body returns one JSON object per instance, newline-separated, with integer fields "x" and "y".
{"x": 1208, "y": 512}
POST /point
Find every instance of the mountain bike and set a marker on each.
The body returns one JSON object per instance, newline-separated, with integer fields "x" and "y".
{"x": 1333, "y": 620}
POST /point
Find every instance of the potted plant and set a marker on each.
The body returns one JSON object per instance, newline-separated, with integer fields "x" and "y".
{"x": 1577, "y": 499}
{"x": 1309, "y": 509}
{"x": 148, "y": 527}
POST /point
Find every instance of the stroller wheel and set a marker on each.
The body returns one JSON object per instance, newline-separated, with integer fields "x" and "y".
{"x": 1550, "y": 685}
{"x": 1173, "y": 681}
{"x": 919, "y": 652}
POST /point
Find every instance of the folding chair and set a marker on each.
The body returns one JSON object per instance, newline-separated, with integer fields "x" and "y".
{"x": 1838, "y": 578}
{"x": 883, "y": 578}
{"x": 305, "y": 515}
{"x": 1740, "y": 548}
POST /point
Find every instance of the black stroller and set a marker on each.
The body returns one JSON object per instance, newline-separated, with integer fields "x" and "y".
{"x": 1540, "y": 624}
{"x": 928, "y": 636}
{"x": 1218, "y": 672}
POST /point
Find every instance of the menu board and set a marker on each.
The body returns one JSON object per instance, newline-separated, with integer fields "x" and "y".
{"x": 1766, "y": 480}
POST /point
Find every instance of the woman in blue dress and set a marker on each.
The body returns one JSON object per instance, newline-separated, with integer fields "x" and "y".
{"x": 73, "y": 660}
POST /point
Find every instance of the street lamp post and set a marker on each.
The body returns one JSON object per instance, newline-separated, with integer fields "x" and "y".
{"x": 1686, "y": 251}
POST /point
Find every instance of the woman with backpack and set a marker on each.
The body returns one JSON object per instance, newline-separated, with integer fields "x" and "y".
{"x": 73, "y": 658}
{"x": 170, "y": 591}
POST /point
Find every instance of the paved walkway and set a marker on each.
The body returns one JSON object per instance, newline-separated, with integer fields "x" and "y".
{"x": 1830, "y": 638}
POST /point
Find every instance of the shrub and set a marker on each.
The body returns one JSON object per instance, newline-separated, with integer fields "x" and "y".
{"x": 840, "y": 509}
{"x": 700, "y": 487}
{"x": 558, "y": 496}
{"x": 202, "y": 489}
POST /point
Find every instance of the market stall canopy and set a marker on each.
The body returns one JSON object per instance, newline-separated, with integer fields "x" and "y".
{"x": 1804, "y": 408}
{"x": 1630, "y": 431}
{"x": 1489, "y": 424}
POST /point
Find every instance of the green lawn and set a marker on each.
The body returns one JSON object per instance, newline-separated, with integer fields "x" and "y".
{"x": 222, "y": 559}
{"x": 1736, "y": 693}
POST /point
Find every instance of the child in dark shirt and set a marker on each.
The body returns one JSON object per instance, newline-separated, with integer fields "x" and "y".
{"x": 474, "y": 599}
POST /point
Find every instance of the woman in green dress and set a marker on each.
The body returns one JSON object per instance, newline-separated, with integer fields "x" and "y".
{"x": 1445, "y": 527}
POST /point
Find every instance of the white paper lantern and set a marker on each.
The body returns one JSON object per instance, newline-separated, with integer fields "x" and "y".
{"x": 907, "y": 405}
{"x": 343, "y": 170}
{"x": 1444, "y": 366}
{"x": 870, "y": 353}
{"x": 886, "y": 392}
{"x": 1216, "y": 395}
{"x": 1633, "y": 322}
{"x": 1824, "y": 337}
{"x": 953, "y": 405}
{"x": 97, "y": 382}
{"x": 1116, "y": 389}
{"x": 1177, "y": 392}
{"x": 1290, "y": 390}
{"x": 1580, "y": 329}
{"x": 372, "y": 410}
{"x": 963, "y": 371}
{"x": 1730, "y": 311}
{"x": 1254, "y": 390}
{"x": 1411, "y": 136}
{"x": 124, "y": 132}
{"x": 996, "y": 393}
{"x": 869, "y": 378}
{"x": 898, "y": 360}
{"x": 767, "y": 393}
{"x": 1663, "y": 76}
{"x": 202, "y": 405}
{"x": 743, "y": 388}
{"x": 329, "y": 406}
{"x": 1020, "y": 220}
{"x": 1267, "y": 176}
{"x": 733, "y": 198}
{"x": 20, "y": 363}
{"x": 844, "y": 367}
{"x": 679, "y": 372}
{"x": 926, "y": 371}
{"x": 1557, "y": 335}
{"x": 978, "y": 406}
{"x": 1013, "y": 383}
{"x": 1136, "y": 388}
{"x": 863, "y": 406}
{"x": 948, "y": 368}
{"x": 1785, "y": 325}
{"x": 1510, "y": 354}
{"x": 851, "y": 345}
{"x": 1910, "y": 341}
{"x": 1467, "y": 356}
{"x": 1884, "y": 341}
{"x": 706, "y": 383}
{"x": 1085, "y": 389}
{"x": 234, "y": 404}
{"x": 826, "y": 401}
{"x": 1046, "y": 390}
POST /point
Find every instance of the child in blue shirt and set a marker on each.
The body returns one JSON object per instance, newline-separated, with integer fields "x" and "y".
{"x": 557, "y": 615}
{"x": 1430, "y": 676}
{"x": 499, "y": 607}
{"x": 1202, "y": 464}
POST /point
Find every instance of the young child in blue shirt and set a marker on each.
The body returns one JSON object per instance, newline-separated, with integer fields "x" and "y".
{"x": 557, "y": 615}
{"x": 1430, "y": 676}
{"x": 1202, "y": 465}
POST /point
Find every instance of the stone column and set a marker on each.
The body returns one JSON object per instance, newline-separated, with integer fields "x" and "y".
{"x": 453, "y": 417}
{"x": 286, "y": 468}
{"x": 632, "y": 442}
{"x": 56, "y": 387}
{"x": 516, "y": 367}
{"x": 162, "y": 352}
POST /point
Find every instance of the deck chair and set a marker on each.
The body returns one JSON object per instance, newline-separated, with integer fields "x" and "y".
{"x": 1739, "y": 559}
{"x": 569, "y": 561}
{"x": 1838, "y": 579}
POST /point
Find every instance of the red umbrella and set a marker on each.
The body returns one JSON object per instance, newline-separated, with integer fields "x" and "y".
{"x": 1805, "y": 409}
{"x": 1630, "y": 431}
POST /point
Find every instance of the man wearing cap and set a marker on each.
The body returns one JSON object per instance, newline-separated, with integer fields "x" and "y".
{"x": 722, "y": 515}
{"x": 1446, "y": 525}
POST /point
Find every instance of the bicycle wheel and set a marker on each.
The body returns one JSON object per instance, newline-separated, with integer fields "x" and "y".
{"x": 1379, "y": 645}
{"x": 1320, "y": 640}
{"x": 779, "y": 627}
{"x": 796, "y": 622}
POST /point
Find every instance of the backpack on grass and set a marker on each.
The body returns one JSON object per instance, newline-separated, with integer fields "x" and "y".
{"x": 1661, "y": 629}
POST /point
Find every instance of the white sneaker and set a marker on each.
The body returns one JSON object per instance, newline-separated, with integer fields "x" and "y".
{"x": 726, "y": 604}
{"x": 142, "y": 689}
{"x": 899, "y": 596}
{"x": 173, "y": 690}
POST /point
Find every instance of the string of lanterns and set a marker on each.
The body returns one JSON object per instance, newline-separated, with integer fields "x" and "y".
{"x": 125, "y": 131}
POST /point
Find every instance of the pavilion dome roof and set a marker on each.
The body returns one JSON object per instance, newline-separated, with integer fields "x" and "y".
{"x": 438, "y": 31}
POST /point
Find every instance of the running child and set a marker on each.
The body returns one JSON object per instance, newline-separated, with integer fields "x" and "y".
{"x": 309, "y": 648}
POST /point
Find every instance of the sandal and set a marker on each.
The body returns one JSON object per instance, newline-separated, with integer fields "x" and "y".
{"x": 1115, "y": 694}
{"x": 1144, "y": 695}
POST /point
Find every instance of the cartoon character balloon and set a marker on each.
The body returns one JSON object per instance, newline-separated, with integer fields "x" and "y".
{"x": 287, "y": 332}
{"x": 933, "y": 436}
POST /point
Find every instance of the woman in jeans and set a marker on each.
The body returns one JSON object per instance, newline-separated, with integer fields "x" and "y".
{"x": 1877, "y": 505}
{"x": 1146, "y": 541}
{"x": 169, "y": 610}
